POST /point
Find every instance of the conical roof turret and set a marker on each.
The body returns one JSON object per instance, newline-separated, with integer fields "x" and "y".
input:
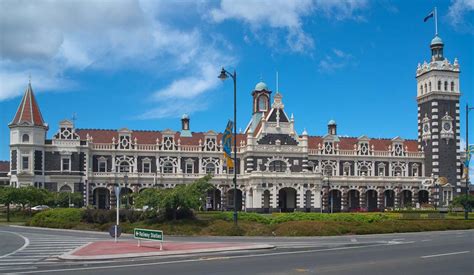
{"x": 28, "y": 113}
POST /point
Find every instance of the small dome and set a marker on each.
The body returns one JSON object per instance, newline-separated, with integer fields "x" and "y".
{"x": 185, "y": 116}
{"x": 332, "y": 122}
{"x": 261, "y": 86}
{"x": 436, "y": 41}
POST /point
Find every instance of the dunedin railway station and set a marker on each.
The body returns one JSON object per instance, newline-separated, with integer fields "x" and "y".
{"x": 278, "y": 169}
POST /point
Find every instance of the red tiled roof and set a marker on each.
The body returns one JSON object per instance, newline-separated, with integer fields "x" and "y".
{"x": 4, "y": 166}
{"x": 28, "y": 111}
{"x": 146, "y": 137}
{"x": 347, "y": 143}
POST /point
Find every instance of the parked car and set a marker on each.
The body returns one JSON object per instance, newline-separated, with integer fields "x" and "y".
{"x": 40, "y": 208}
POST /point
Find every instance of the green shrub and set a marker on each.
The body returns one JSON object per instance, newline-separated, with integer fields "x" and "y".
{"x": 58, "y": 218}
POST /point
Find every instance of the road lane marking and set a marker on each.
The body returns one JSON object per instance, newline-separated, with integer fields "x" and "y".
{"x": 427, "y": 240}
{"x": 200, "y": 260}
{"x": 445, "y": 254}
{"x": 25, "y": 239}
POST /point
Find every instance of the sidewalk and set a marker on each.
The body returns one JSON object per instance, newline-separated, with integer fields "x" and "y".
{"x": 108, "y": 250}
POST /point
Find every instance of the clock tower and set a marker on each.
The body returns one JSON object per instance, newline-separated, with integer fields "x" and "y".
{"x": 438, "y": 115}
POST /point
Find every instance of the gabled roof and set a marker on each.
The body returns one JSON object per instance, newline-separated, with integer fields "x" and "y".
{"x": 28, "y": 112}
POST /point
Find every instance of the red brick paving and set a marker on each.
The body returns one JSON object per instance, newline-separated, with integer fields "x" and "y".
{"x": 130, "y": 247}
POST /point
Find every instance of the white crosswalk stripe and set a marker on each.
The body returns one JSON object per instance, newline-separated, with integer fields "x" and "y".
{"x": 42, "y": 249}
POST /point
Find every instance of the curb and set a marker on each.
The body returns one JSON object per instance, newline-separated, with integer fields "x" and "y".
{"x": 69, "y": 255}
{"x": 104, "y": 233}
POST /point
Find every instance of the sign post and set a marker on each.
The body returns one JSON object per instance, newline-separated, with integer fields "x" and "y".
{"x": 148, "y": 235}
{"x": 117, "y": 195}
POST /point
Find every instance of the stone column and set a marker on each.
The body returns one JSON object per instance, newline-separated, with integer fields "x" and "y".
{"x": 344, "y": 199}
{"x": 414, "y": 197}
{"x": 362, "y": 197}
{"x": 380, "y": 198}
{"x": 396, "y": 199}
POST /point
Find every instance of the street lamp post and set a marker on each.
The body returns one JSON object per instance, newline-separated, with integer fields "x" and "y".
{"x": 125, "y": 179}
{"x": 223, "y": 76}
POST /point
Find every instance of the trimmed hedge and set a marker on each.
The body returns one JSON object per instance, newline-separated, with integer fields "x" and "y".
{"x": 57, "y": 218}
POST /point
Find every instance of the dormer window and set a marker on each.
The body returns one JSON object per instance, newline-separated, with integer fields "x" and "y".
{"x": 25, "y": 138}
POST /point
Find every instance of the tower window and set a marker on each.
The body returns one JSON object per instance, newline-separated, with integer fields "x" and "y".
{"x": 25, "y": 138}
{"x": 262, "y": 103}
{"x": 421, "y": 89}
{"x": 25, "y": 163}
{"x": 446, "y": 85}
{"x": 429, "y": 85}
{"x": 452, "y": 86}
{"x": 426, "y": 88}
{"x": 439, "y": 85}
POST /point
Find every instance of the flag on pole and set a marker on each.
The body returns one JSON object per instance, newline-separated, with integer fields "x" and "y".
{"x": 430, "y": 15}
{"x": 227, "y": 139}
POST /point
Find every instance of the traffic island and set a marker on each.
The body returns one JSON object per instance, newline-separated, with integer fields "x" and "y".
{"x": 109, "y": 250}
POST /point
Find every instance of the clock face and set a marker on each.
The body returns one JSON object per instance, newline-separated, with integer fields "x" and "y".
{"x": 426, "y": 128}
{"x": 447, "y": 126}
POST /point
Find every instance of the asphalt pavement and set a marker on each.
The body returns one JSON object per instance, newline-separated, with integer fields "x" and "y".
{"x": 445, "y": 252}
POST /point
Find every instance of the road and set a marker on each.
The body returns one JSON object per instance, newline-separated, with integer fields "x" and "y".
{"x": 31, "y": 250}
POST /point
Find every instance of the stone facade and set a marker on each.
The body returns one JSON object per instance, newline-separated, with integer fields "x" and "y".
{"x": 277, "y": 168}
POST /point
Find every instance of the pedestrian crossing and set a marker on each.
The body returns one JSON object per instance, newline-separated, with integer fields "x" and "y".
{"x": 42, "y": 249}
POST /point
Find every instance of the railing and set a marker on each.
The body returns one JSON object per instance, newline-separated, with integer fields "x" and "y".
{"x": 319, "y": 152}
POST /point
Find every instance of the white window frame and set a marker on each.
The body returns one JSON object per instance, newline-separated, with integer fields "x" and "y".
{"x": 187, "y": 165}
{"x": 99, "y": 162}
{"x": 28, "y": 161}
{"x": 146, "y": 163}
{"x": 68, "y": 163}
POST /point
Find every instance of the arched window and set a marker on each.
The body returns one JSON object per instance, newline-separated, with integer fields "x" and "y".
{"x": 446, "y": 85}
{"x": 439, "y": 85}
{"x": 426, "y": 88}
{"x": 277, "y": 166}
{"x": 328, "y": 171}
{"x": 168, "y": 168}
{"x": 210, "y": 169}
{"x": 398, "y": 171}
{"x": 363, "y": 171}
{"x": 421, "y": 89}
{"x": 452, "y": 86}
{"x": 25, "y": 138}
{"x": 124, "y": 167}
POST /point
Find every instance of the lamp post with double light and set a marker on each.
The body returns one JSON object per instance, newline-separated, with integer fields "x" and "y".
{"x": 223, "y": 76}
{"x": 330, "y": 199}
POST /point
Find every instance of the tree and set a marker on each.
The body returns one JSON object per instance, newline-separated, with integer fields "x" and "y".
{"x": 147, "y": 197}
{"x": 8, "y": 195}
{"x": 63, "y": 199}
{"x": 183, "y": 197}
{"x": 465, "y": 201}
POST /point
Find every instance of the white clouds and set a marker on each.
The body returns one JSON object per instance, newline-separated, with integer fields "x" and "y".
{"x": 457, "y": 12}
{"x": 51, "y": 38}
{"x": 335, "y": 61}
{"x": 280, "y": 14}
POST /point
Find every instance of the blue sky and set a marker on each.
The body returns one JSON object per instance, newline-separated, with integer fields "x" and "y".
{"x": 142, "y": 64}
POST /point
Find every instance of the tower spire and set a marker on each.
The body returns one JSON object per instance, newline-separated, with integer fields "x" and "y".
{"x": 28, "y": 112}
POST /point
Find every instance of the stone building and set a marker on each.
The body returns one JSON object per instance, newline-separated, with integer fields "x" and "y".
{"x": 278, "y": 169}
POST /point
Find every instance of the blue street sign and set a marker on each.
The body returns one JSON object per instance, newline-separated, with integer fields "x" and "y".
{"x": 117, "y": 191}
